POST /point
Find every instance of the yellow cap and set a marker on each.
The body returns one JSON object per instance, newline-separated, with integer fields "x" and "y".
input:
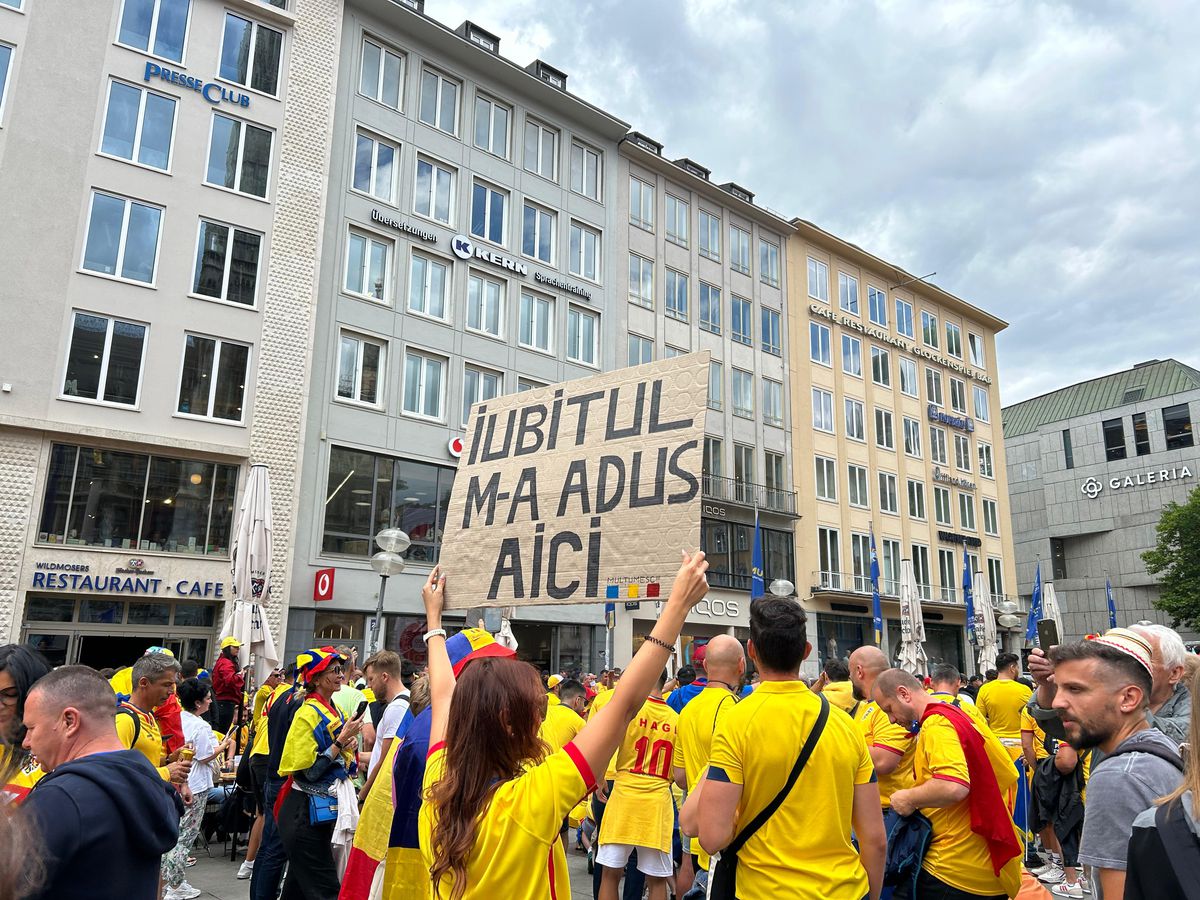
{"x": 230, "y": 641}
{"x": 554, "y": 681}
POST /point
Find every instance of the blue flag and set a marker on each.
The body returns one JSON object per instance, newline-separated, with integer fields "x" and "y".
{"x": 1035, "y": 606}
{"x": 610, "y": 615}
{"x": 876, "y": 607}
{"x": 1112, "y": 604}
{"x": 758, "y": 583}
{"x": 968, "y": 597}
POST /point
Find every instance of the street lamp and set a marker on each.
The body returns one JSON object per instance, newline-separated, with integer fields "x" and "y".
{"x": 386, "y": 563}
{"x": 781, "y": 587}
{"x": 1008, "y": 621}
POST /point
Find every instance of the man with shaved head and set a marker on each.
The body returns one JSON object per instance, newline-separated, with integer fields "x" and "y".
{"x": 891, "y": 745}
{"x": 960, "y": 774}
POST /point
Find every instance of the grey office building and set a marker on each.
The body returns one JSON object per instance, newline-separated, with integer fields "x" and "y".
{"x": 1090, "y": 468}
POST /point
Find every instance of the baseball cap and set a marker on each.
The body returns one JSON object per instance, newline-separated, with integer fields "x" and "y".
{"x": 699, "y": 654}
{"x": 230, "y": 641}
{"x": 474, "y": 643}
{"x": 165, "y": 651}
{"x": 554, "y": 681}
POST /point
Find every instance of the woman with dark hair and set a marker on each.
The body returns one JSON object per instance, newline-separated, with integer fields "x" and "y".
{"x": 227, "y": 683}
{"x": 494, "y": 807}
{"x": 20, "y": 667}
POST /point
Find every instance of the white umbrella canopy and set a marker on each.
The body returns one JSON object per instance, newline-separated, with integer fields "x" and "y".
{"x": 252, "y": 576}
{"x": 912, "y": 623}
{"x": 1051, "y": 609}
{"x": 985, "y": 624}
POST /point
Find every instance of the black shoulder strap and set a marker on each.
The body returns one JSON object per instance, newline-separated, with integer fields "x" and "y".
{"x": 137, "y": 722}
{"x": 1153, "y": 750}
{"x": 1181, "y": 846}
{"x": 761, "y": 819}
{"x": 717, "y": 712}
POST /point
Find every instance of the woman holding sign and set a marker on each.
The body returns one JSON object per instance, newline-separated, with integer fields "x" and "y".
{"x": 479, "y": 758}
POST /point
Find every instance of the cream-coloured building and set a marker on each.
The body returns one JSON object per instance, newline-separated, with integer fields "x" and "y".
{"x": 896, "y": 430}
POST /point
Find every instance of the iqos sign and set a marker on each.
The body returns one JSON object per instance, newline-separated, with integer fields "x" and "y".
{"x": 713, "y": 607}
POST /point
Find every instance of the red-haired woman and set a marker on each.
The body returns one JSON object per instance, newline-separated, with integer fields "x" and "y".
{"x": 490, "y": 823}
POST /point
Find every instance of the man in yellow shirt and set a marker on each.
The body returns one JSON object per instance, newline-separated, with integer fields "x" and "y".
{"x": 564, "y": 715}
{"x": 153, "y": 681}
{"x": 804, "y": 850}
{"x": 890, "y": 745}
{"x": 1001, "y": 702}
{"x": 834, "y": 682}
{"x": 945, "y": 681}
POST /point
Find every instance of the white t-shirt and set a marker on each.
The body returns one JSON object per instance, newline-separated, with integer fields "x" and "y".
{"x": 200, "y": 735}
{"x": 389, "y": 722}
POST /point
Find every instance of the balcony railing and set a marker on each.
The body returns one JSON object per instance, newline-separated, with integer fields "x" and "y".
{"x": 851, "y": 583}
{"x": 747, "y": 493}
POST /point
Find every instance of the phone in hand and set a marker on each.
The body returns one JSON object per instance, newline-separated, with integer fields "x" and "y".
{"x": 1047, "y": 634}
{"x": 362, "y": 708}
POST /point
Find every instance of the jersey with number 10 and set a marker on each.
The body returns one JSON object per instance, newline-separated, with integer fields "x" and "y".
{"x": 639, "y": 810}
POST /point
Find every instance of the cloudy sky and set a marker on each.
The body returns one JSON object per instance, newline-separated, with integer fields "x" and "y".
{"x": 1041, "y": 157}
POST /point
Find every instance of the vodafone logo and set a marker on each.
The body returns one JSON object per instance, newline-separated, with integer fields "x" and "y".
{"x": 456, "y": 447}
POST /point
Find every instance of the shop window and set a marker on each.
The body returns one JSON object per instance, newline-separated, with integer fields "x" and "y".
{"x": 102, "y": 612}
{"x": 149, "y": 614}
{"x": 49, "y": 609}
{"x": 338, "y": 628}
{"x": 195, "y": 615}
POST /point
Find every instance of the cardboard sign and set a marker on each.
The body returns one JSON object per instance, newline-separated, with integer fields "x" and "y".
{"x": 581, "y": 492}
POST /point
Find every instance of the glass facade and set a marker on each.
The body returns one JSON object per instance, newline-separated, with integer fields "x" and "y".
{"x": 729, "y": 547}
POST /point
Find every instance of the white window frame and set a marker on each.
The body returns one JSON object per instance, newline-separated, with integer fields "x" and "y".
{"x": 637, "y": 294}
{"x": 682, "y": 214}
{"x": 431, "y": 198}
{"x": 709, "y": 225}
{"x": 739, "y": 240}
{"x": 848, "y": 294}
{"x": 852, "y": 355}
{"x": 252, "y": 58}
{"x": 447, "y": 286}
{"x": 825, "y": 474}
{"x": 929, "y": 327}
{"x": 914, "y": 379}
{"x": 233, "y": 229}
{"x": 829, "y": 556}
{"x": 912, "y": 437}
{"x": 953, "y": 340}
{"x": 477, "y": 396}
{"x": 119, "y": 263}
{"x": 148, "y": 50}
{"x": 822, "y": 405}
{"x": 933, "y": 377}
{"x": 938, "y": 451}
{"x": 995, "y": 570}
{"x": 889, "y": 495}
{"x": 384, "y": 51}
{"x": 12, "y": 54}
{"x": 745, "y": 380}
{"x": 643, "y": 344}
{"x": 212, "y": 385}
{"x": 389, "y": 252}
{"x": 105, "y": 359}
{"x": 443, "y": 80}
{"x": 544, "y": 133}
{"x": 672, "y": 307}
{"x": 920, "y": 561}
{"x": 360, "y": 340}
{"x": 138, "y": 128}
{"x": 905, "y": 323}
{"x": 855, "y": 415}
{"x": 986, "y": 468}
{"x": 376, "y": 142}
{"x": 489, "y": 211}
{"x": 243, "y": 126}
{"x": 426, "y": 358}
{"x": 943, "y": 502}
{"x": 746, "y": 318}
{"x": 860, "y": 561}
{"x": 711, "y": 323}
{"x": 541, "y": 211}
{"x": 978, "y": 353}
{"x": 958, "y": 395}
{"x": 550, "y": 322}
{"x": 641, "y": 203}
{"x": 586, "y": 154}
{"x": 966, "y": 511}
{"x": 484, "y": 281}
{"x": 493, "y": 105}
{"x": 881, "y": 367}
{"x": 818, "y": 275}
{"x": 858, "y": 487}
{"x": 947, "y": 575}
{"x": 771, "y": 342}
{"x": 772, "y": 411}
{"x": 962, "y": 452}
{"x": 571, "y": 354}
{"x": 877, "y": 305}
{"x": 916, "y": 500}
{"x": 991, "y": 516}
{"x": 769, "y": 272}
{"x": 980, "y": 396}
{"x": 820, "y": 351}
{"x": 716, "y": 379}
{"x": 885, "y": 430}
{"x": 577, "y": 266}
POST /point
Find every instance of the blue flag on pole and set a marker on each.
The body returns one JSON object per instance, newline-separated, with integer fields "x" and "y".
{"x": 1112, "y": 604}
{"x": 758, "y": 584}
{"x": 1035, "y": 606}
{"x": 968, "y": 597}
{"x": 610, "y": 615}
{"x": 876, "y": 606}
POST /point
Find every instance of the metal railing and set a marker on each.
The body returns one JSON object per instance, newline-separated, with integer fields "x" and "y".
{"x": 852, "y": 583}
{"x": 747, "y": 493}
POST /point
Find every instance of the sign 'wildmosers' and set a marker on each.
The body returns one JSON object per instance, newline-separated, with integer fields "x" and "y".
{"x": 579, "y": 492}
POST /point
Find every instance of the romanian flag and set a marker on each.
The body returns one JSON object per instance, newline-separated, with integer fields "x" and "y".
{"x": 405, "y": 876}
{"x": 364, "y": 867}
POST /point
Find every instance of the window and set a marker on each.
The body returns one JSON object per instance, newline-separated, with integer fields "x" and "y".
{"x": 368, "y": 266}
{"x": 966, "y": 511}
{"x": 641, "y": 203}
{"x": 96, "y": 497}
{"x": 743, "y": 393}
{"x": 851, "y": 356}
{"x": 710, "y": 236}
{"x": 937, "y": 444}
{"x": 585, "y": 171}
{"x": 741, "y": 327}
{"x": 773, "y": 478}
{"x": 857, "y": 495}
{"x": 947, "y": 575}
{"x": 908, "y": 377}
{"x": 641, "y": 281}
{"x": 239, "y": 156}
{"x": 772, "y": 402}
{"x": 382, "y": 75}
{"x": 962, "y": 452}
{"x": 941, "y": 506}
{"x": 933, "y": 386}
{"x": 991, "y": 517}
{"x": 585, "y": 251}
{"x": 526, "y": 384}
{"x": 678, "y": 212}
{"x": 912, "y": 437}
{"x": 818, "y": 343}
{"x": 1058, "y": 556}
{"x": 772, "y": 340}
{"x": 739, "y": 250}
{"x": 881, "y": 367}
{"x": 822, "y": 402}
{"x": 890, "y": 566}
{"x": 888, "y": 501}
{"x": 491, "y": 126}
{"x": 848, "y": 293}
{"x": 883, "y": 429}
{"x": 641, "y": 350}
{"x": 985, "y": 459}
{"x": 434, "y": 191}
{"x": 213, "y": 383}
{"x": 104, "y": 361}
{"x": 860, "y": 562}
{"x": 439, "y": 101}
{"x": 710, "y": 308}
{"x": 713, "y": 464}
{"x": 920, "y": 562}
{"x": 428, "y": 286}
{"x": 250, "y": 54}
{"x": 360, "y": 363}
{"x": 479, "y": 385}
{"x": 981, "y": 404}
{"x": 537, "y": 234}
{"x": 485, "y": 305}
{"x": 158, "y": 27}
{"x": 670, "y": 352}
{"x": 916, "y": 499}
{"x": 958, "y": 395}
{"x": 829, "y": 555}
{"x": 818, "y": 280}
{"x": 1141, "y": 434}
{"x": 227, "y": 262}
{"x": 677, "y": 295}
{"x": 743, "y": 470}
{"x": 768, "y": 263}
{"x": 541, "y": 150}
{"x": 855, "y": 426}
{"x": 374, "y": 165}
{"x": 138, "y": 124}
{"x": 1068, "y": 457}
{"x": 1114, "y": 439}
{"x": 929, "y": 329}
{"x": 537, "y": 322}
{"x": 489, "y": 208}
{"x": 877, "y": 306}
{"x": 995, "y": 577}
{"x": 975, "y": 347}
{"x": 716, "y": 386}
{"x": 122, "y": 238}
{"x": 954, "y": 340}
{"x": 826, "y": 478}
{"x": 5, "y": 60}
{"x": 423, "y": 392}
{"x": 904, "y": 318}
{"x": 582, "y": 331}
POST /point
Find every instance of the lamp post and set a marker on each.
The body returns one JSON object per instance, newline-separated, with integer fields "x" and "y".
{"x": 386, "y": 563}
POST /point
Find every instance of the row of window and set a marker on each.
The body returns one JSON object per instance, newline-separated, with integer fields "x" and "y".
{"x": 1177, "y": 432}
{"x": 820, "y": 352}
{"x": 877, "y": 312}
{"x": 741, "y": 395}
{"x": 774, "y": 476}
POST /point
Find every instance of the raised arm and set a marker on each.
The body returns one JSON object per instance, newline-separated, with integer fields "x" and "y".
{"x": 441, "y": 673}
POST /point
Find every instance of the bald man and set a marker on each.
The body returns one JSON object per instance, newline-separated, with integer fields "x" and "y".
{"x": 891, "y": 745}
{"x": 105, "y": 816}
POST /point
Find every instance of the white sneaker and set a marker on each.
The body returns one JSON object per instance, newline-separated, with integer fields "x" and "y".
{"x": 1051, "y": 862}
{"x": 246, "y": 870}
{"x": 184, "y": 892}
{"x": 1084, "y": 885}
{"x": 1053, "y": 875}
{"x": 1062, "y": 889}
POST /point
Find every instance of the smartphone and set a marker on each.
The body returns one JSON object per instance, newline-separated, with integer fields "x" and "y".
{"x": 362, "y": 708}
{"x": 1047, "y": 633}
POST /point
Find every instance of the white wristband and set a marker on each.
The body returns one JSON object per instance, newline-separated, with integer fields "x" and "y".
{"x": 436, "y": 632}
